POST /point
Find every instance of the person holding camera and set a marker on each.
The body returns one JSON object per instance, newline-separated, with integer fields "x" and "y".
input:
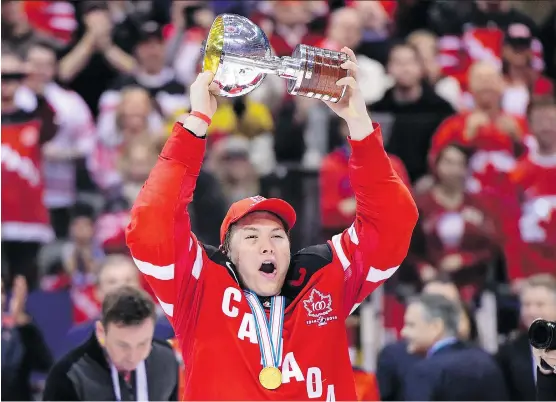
{"x": 542, "y": 336}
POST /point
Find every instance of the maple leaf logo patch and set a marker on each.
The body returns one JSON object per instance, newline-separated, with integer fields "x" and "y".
{"x": 318, "y": 304}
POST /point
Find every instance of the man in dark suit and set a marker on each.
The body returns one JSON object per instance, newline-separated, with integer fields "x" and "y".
{"x": 515, "y": 358}
{"x": 452, "y": 370}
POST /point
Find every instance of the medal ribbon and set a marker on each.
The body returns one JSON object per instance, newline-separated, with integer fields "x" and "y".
{"x": 269, "y": 335}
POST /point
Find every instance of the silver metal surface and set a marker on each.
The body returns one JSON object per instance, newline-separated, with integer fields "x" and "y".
{"x": 245, "y": 40}
{"x": 246, "y": 58}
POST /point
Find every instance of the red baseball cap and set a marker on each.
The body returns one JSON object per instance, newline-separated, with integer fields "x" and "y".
{"x": 243, "y": 207}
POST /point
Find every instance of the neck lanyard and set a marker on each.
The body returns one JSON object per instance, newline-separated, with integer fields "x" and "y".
{"x": 140, "y": 382}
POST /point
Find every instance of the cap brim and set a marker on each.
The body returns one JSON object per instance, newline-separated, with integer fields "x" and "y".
{"x": 276, "y": 206}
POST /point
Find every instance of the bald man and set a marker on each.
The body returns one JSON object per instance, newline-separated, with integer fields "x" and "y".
{"x": 117, "y": 270}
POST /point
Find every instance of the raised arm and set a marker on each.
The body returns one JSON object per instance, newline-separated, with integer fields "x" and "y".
{"x": 159, "y": 235}
{"x": 374, "y": 246}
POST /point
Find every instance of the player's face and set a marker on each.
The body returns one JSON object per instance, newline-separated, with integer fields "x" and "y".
{"x": 537, "y": 302}
{"x": 260, "y": 249}
{"x": 126, "y": 346}
{"x": 419, "y": 334}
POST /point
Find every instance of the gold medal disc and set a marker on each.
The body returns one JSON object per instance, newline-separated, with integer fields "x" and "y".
{"x": 270, "y": 377}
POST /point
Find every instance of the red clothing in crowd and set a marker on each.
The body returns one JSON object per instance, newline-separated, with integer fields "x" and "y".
{"x": 335, "y": 186}
{"x": 198, "y": 290}
{"x": 53, "y": 18}
{"x": 366, "y": 385}
{"x": 24, "y": 216}
{"x": 535, "y": 179}
{"x": 466, "y": 231}
{"x": 494, "y": 154}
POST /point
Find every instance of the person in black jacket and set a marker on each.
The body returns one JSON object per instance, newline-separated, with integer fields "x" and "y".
{"x": 546, "y": 379}
{"x": 24, "y": 349}
{"x": 452, "y": 370}
{"x": 120, "y": 361}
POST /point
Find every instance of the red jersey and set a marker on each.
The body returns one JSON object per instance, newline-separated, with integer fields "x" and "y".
{"x": 335, "y": 186}
{"x": 535, "y": 178}
{"x": 494, "y": 156}
{"x": 467, "y": 231}
{"x": 197, "y": 286}
{"x": 24, "y": 215}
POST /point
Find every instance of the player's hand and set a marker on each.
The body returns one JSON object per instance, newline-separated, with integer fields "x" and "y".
{"x": 352, "y": 107}
{"x": 201, "y": 94}
{"x": 549, "y": 356}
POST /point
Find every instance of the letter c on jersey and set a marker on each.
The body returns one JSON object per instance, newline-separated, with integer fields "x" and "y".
{"x": 229, "y": 295}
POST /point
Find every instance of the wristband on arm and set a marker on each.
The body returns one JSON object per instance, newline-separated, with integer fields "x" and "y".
{"x": 201, "y": 116}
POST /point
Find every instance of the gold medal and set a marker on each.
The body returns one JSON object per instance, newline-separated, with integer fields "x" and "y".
{"x": 270, "y": 377}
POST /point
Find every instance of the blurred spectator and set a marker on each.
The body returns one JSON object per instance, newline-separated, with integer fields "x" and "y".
{"x": 231, "y": 166}
{"x": 535, "y": 179}
{"x": 135, "y": 116}
{"x": 94, "y": 59}
{"x": 547, "y": 36}
{"x": 377, "y": 28}
{"x": 73, "y": 141}
{"x": 453, "y": 370}
{"x": 53, "y": 18}
{"x": 496, "y": 137}
{"x": 81, "y": 255}
{"x": 337, "y": 199}
{"x": 150, "y": 74}
{"x": 25, "y": 221}
{"x": 190, "y": 23}
{"x": 515, "y": 357}
{"x": 121, "y": 348}
{"x": 345, "y": 28}
{"x": 445, "y": 86}
{"x": 523, "y": 82}
{"x": 414, "y": 108}
{"x": 115, "y": 272}
{"x": 23, "y": 347}
{"x": 455, "y": 235}
{"x": 478, "y": 35}
{"x": 286, "y": 24}
{"x": 17, "y": 34}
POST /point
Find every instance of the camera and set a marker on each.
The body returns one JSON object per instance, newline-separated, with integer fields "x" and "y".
{"x": 542, "y": 334}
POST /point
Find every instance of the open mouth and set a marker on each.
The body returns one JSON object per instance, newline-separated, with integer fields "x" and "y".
{"x": 268, "y": 269}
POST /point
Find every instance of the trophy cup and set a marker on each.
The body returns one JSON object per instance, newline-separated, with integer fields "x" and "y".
{"x": 238, "y": 53}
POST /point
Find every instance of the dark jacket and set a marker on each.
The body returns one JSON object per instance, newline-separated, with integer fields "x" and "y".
{"x": 394, "y": 362}
{"x": 84, "y": 375}
{"x": 456, "y": 372}
{"x": 24, "y": 351}
{"x": 546, "y": 387}
{"x": 515, "y": 359}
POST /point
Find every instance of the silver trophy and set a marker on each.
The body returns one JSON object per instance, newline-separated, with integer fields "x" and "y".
{"x": 238, "y": 53}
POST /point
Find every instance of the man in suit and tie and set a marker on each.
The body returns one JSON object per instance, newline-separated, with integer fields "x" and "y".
{"x": 515, "y": 358}
{"x": 452, "y": 370}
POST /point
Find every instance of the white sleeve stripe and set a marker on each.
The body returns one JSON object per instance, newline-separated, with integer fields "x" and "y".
{"x": 378, "y": 275}
{"x": 353, "y": 234}
{"x": 166, "y": 307}
{"x": 163, "y": 273}
{"x": 337, "y": 243}
{"x": 198, "y": 265}
{"x": 354, "y": 308}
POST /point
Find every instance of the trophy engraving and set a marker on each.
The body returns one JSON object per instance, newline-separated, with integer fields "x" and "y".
{"x": 238, "y": 53}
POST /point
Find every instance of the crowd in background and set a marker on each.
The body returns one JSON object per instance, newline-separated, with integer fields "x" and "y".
{"x": 464, "y": 92}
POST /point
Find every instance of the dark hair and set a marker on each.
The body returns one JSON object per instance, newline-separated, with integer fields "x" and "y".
{"x": 466, "y": 151}
{"x": 437, "y": 307}
{"x": 405, "y": 45}
{"x": 127, "y": 306}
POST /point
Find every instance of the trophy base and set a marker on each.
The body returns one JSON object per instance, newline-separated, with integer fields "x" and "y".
{"x": 320, "y": 70}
